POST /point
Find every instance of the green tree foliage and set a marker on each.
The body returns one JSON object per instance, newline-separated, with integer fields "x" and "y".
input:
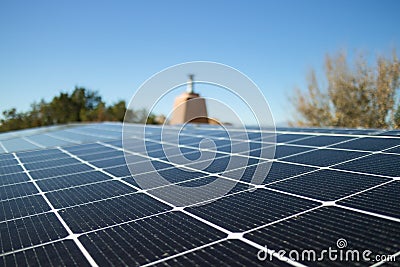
{"x": 142, "y": 116}
{"x": 13, "y": 118}
{"x": 357, "y": 94}
{"x": 117, "y": 111}
{"x": 81, "y": 105}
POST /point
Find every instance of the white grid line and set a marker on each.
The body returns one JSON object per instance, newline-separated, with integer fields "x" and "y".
{"x": 32, "y": 142}
{"x": 63, "y": 138}
{"x": 3, "y": 147}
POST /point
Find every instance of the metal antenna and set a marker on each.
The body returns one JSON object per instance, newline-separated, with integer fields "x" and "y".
{"x": 190, "y": 85}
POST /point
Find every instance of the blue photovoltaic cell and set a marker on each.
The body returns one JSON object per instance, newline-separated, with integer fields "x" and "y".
{"x": 84, "y": 148}
{"x": 284, "y": 151}
{"x": 285, "y": 138}
{"x": 18, "y": 144}
{"x": 381, "y": 164}
{"x": 221, "y": 164}
{"x": 10, "y": 169}
{"x": 58, "y": 171}
{"x": 167, "y": 176}
{"x": 75, "y": 136}
{"x": 95, "y": 150}
{"x": 278, "y": 171}
{"x": 324, "y": 157}
{"x": 17, "y": 190}
{"x": 173, "y": 195}
{"x": 142, "y": 166}
{"x": 50, "y": 163}
{"x": 33, "y": 230}
{"x": 382, "y": 200}
{"x": 41, "y": 155}
{"x": 328, "y": 185}
{"x": 22, "y": 206}
{"x": 71, "y": 180}
{"x": 120, "y": 171}
{"x": 370, "y": 144}
{"x": 319, "y": 141}
{"x": 103, "y": 155}
{"x": 269, "y": 206}
{"x": 13, "y": 178}
{"x": 60, "y": 253}
{"x": 100, "y": 214}
{"x": 4, "y": 157}
{"x": 331, "y": 130}
{"x": 5, "y": 161}
{"x": 175, "y": 232}
{"x": 183, "y": 158}
{"x": 49, "y": 141}
{"x": 110, "y": 162}
{"x": 35, "y": 153}
{"x": 87, "y": 193}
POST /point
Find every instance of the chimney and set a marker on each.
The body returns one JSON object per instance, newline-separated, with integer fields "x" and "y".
{"x": 189, "y": 107}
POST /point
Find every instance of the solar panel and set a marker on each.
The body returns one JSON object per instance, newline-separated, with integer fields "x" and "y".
{"x": 68, "y": 197}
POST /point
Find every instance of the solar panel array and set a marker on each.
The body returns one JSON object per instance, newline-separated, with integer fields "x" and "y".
{"x": 67, "y": 198}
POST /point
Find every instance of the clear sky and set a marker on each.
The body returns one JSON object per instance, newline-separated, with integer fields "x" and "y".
{"x": 114, "y": 46}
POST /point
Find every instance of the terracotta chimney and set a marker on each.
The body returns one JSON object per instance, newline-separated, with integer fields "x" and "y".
{"x": 189, "y": 107}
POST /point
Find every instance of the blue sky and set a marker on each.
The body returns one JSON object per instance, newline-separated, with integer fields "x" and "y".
{"x": 114, "y": 46}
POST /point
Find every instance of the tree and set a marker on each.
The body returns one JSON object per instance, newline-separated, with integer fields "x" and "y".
{"x": 356, "y": 95}
{"x": 61, "y": 110}
{"x": 35, "y": 116}
{"x": 117, "y": 111}
{"x": 81, "y": 105}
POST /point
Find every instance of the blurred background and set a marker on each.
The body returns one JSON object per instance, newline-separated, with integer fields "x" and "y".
{"x": 65, "y": 61}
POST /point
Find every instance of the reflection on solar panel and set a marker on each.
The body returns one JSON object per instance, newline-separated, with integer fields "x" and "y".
{"x": 67, "y": 197}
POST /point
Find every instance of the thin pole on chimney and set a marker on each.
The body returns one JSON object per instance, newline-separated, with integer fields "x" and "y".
{"x": 190, "y": 85}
